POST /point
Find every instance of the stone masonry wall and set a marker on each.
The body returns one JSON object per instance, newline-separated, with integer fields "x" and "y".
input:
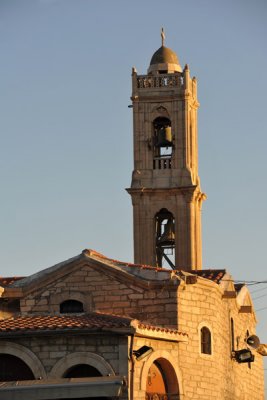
{"x": 51, "y": 349}
{"x": 204, "y": 377}
{"x": 216, "y": 376}
{"x": 104, "y": 293}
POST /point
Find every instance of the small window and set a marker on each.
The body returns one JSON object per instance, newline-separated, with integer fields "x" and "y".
{"x": 71, "y": 306}
{"x": 249, "y": 363}
{"x": 232, "y": 335}
{"x": 205, "y": 340}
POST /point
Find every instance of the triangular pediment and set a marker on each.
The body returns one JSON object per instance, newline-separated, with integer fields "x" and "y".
{"x": 139, "y": 276}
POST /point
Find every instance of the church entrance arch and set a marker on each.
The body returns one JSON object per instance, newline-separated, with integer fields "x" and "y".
{"x": 161, "y": 379}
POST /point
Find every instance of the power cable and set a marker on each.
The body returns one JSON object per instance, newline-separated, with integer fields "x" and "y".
{"x": 259, "y": 297}
{"x": 261, "y": 309}
{"x": 259, "y": 290}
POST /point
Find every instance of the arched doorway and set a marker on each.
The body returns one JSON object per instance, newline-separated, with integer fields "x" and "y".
{"x": 161, "y": 383}
{"x": 12, "y": 368}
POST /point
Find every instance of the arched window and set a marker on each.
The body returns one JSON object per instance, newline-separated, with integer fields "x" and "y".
{"x": 205, "y": 337}
{"x": 13, "y": 368}
{"x": 71, "y": 306}
{"x": 162, "y": 143}
{"x": 165, "y": 239}
{"x": 232, "y": 334}
{"x": 81, "y": 371}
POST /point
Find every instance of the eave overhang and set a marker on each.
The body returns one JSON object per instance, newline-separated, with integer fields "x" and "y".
{"x": 63, "y": 388}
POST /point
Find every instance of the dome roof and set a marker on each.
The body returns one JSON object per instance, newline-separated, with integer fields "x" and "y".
{"x": 164, "y": 60}
{"x": 164, "y": 55}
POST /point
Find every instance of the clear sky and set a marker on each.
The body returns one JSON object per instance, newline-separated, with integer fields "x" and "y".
{"x": 66, "y": 130}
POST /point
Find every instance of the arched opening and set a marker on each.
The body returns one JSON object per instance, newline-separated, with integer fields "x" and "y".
{"x": 161, "y": 381}
{"x": 71, "y": 307}
{"x": 67, "y": 363}
{"x": 82, "y": 371}
{"x": 163, "y": 144}
{"x": 205, "y": 337}
{"x": 165, "y": 239}
{"x": 13, "y": 368}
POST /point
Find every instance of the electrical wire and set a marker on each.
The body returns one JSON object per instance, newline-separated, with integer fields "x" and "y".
{"x": 248, "y": 283}
{"x": 261, "y": 309}
{"x": 259, "y": 297}
{"x": 259, "y": 290}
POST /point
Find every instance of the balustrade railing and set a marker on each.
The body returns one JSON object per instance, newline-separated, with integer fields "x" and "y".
{"x": 170, "y": 80}
{"x": 162, "y": 163}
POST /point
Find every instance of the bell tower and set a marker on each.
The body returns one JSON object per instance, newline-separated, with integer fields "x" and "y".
{"x": 165, "y": 188}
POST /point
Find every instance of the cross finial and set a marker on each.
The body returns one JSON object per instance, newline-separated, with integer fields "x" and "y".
{"x": 162, "y": 36}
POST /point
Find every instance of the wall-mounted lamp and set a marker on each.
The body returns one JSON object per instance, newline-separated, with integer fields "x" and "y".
{"x": 243, "y": 356}
{"x": 143, "y": 352}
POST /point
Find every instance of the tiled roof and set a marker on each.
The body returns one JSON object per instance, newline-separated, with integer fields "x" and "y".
{"x": 160, "y": 329}
{"x": 17, "y": 282}
{"x": 93, "y": 322}
{"x": 214, "y": 275}
{"x": 95, "y": 254}
{"x": 66, "y": 323}
{"x": 4, "y": 282}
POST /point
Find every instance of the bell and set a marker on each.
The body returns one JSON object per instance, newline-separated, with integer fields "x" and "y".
{"x": 164, "y": 137}
{"x": 168, "y": 236}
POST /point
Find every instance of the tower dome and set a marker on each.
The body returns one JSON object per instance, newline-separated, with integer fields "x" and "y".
{"x": 164, "y": 60}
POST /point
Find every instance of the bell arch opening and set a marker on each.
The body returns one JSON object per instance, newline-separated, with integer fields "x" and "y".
{"x": 162, "y": 383}
{"x": 163, "y": 143}
{"x": 165, "y": 239}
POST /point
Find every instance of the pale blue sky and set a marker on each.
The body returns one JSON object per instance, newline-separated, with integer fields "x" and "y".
{"x": 66, "y": 131}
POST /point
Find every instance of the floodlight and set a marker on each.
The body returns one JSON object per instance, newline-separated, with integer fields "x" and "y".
{"x": 143, "y": 352}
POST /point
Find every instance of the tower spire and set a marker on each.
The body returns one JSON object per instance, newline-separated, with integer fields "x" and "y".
{"x": 162, "y": 36}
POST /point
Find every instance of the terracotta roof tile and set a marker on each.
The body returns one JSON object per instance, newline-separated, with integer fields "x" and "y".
{"x": 160, "y": 329}
{"x": 7, "y": 281}
{"x": 122, "y": 263}
{"x": 66, "y": 322}
{"x": 93, "y": 321}
{"x": 214, "y": 275}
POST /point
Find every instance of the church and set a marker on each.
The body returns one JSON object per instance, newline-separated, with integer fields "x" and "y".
{"x": 161, "y": 328}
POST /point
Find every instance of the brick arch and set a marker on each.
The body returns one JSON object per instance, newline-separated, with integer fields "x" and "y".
{"x": 169, "y": 366}
{"x": 25, "y": 355}
{"x": 77, "y": 358}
